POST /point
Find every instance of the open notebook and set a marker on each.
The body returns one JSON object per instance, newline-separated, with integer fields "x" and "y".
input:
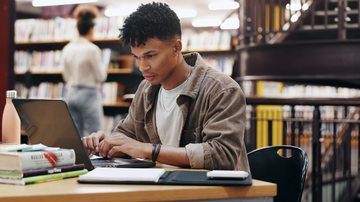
{"x": 49, "y": 122}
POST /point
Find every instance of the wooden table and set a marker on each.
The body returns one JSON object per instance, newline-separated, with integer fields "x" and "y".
{"x": 69, "y": 190}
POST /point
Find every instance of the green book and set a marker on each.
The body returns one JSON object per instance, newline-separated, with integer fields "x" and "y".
{"x": 43, "y": 178}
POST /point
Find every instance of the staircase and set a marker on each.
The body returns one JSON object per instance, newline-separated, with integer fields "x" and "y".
{"x": 323, "y": 23}
{"x": 304, "y": 41}
{"x": 312, "y": 49}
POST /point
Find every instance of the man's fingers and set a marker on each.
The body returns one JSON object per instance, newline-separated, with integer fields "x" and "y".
{"x": 115, "y": 152}
{"x": 92, "y": 141}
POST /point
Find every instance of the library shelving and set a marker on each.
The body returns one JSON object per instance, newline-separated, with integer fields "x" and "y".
{"x": 36, "y": 63}
{"x": 38, "y": 74}
{"x": 216, "y": 47}
{"x": 38, "y": 58}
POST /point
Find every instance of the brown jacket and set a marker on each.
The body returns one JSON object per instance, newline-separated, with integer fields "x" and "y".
{"x": 213, "y": 107}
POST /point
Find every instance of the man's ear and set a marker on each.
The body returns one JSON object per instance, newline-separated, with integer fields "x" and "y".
{"x": 177, "y": 46}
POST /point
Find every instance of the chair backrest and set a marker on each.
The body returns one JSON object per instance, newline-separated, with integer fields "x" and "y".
{"x": 284, "y": 165}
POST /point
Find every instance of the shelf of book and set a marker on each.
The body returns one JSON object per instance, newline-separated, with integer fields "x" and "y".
{"x": 38, "y": 69}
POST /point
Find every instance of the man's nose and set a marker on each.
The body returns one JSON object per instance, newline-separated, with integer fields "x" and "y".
{"x": 143, "y": 65}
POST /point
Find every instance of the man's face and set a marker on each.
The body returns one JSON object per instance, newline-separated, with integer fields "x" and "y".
{"x": 157, "y": 60}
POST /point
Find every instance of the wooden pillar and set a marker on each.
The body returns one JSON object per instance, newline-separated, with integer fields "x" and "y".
{"x": 7, "y": 21}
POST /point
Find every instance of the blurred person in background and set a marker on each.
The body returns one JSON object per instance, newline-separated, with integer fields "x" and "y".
{"x": 84, "y": 72}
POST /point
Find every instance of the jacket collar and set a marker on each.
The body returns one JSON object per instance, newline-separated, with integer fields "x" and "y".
{"x": 199, "y": 68}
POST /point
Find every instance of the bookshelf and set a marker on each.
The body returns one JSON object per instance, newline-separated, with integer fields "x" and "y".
{"x": 215, "y": 46}
{"x": 38, "y": 70}
{"x": 275, "y": 89}
{"x": 34, "y": 65}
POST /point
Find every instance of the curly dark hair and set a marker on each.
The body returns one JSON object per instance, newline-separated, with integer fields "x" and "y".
{"x": 149, "y": 21}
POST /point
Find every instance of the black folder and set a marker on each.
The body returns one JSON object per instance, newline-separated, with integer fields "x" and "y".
{"x": 180, "y": 177}
{"x": 199, "y": 178}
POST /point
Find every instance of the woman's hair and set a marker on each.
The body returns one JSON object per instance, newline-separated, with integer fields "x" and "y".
{"x": 149, "y": 21}
{"x": 85, "y": 16}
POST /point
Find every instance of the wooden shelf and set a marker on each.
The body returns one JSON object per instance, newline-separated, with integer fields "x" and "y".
{"x": 41, "y": 43}
{"x": 210, "y": 51}
{"x": 120, "y": 71}
{"x": 62, "y": 43}
{"x": 107, "y": 41}
{"x": 117, "y": 104}
{"x": 40, "y": 73}
{"x": 110, "y": 72}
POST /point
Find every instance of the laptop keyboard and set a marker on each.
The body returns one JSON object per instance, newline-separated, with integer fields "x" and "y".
{"x": 122, "y": 163}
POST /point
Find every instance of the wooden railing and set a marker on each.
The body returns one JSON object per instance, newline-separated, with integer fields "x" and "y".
{"x": 270, "y": 21}
{"x": 332, "y": 143}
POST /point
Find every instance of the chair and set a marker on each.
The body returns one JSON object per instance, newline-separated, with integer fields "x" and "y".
{"x": 284, "y": 165}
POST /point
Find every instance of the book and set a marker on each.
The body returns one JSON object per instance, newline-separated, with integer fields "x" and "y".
{"x": 18, "y": 174}
{"x": 36, "y": 159}
{"x": 103, "y": 175}
{"x": 43, "y": 178}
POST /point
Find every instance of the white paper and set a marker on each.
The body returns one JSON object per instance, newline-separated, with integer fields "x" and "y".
{"x": 227, "y": 174}
{"x": 123, "y": 174}
{"x": 26, "y": 148}
{"x": 13, "y": 148}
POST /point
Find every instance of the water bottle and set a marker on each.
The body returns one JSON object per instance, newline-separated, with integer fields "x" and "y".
{"x": 11, "y": 126}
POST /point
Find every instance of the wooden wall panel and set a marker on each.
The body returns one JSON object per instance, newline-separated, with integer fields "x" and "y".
{"x": 7, "y": 20}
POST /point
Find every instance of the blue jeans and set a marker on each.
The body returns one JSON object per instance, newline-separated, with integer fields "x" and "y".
{"x": 85, "y": 104}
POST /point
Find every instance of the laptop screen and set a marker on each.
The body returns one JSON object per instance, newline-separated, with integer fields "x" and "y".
{"x": 49, "y": 122}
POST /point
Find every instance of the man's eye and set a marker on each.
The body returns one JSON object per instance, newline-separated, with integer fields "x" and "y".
{"x": 150, "y": 56}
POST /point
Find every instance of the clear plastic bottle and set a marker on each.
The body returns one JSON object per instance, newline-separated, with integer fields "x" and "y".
{"x": 11, "y": 125}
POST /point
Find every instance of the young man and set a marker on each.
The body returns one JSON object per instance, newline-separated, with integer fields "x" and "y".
{"x": 184, "y": 113}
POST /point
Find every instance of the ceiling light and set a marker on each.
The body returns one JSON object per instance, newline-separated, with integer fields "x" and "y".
{"x": 295, "y": 17}
{"x": 293, "y": 6}
{"x": 305, "y": 6}
{"x": 40, "y": 3}
{"x": 206, "y": 22}
{"x": 230, "y": 23}
{"x": 185, "y": 12}
{"x": 112, "y": 11}
{"x": 223, "y": 5}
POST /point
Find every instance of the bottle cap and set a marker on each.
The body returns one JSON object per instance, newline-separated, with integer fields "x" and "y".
{"x": 11, "y": 94}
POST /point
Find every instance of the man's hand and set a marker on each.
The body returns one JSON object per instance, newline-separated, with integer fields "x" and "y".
{"x": 119, "y": 144}
{"x": 92, "y": 141}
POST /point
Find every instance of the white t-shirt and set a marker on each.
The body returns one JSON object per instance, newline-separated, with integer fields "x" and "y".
{"x": 169, "y": 120}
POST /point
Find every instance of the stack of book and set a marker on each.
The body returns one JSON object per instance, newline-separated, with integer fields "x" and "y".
{"x": 26, "y": 166}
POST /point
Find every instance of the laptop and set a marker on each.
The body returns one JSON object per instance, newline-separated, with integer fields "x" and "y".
{"x": 48, "y": 121}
